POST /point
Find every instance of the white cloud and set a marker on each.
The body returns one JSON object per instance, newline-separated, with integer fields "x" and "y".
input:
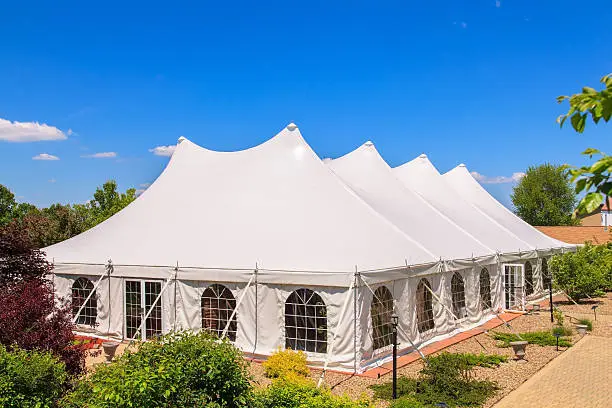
{"x": 515, "y": 177}
{"x": 28, "y": 132}
{"x": 163, "y": 150}
{"x": 145, "y": 185}
{"x": 45, "y": 156}
{"x": 498, "y": 3}
{"x": 52, "y": 180}
{"x": 101, "y": 155}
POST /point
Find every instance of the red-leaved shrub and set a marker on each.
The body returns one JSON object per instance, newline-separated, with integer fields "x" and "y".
{"x": 29, "y": 316}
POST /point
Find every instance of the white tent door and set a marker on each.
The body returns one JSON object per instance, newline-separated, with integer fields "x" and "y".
{"x": 139, "y": 297}
{"x": 514, "y": 276}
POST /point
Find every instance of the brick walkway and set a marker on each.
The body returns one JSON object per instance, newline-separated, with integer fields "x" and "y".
{"x": 580, "y": 377}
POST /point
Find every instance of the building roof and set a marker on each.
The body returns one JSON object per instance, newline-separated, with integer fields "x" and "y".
{"x": 579, "y": 234}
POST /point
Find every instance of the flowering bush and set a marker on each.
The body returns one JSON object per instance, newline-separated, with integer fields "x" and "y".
{"x": 283, "y": 362}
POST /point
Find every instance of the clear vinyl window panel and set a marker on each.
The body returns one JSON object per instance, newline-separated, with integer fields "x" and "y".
{"x": 424, "y": 306}
{"x": 528, "y": 278}
{"x": 458, "y": 296}
{"x": 139, "y": 299}
{"x": 381, "y": 311}
{"x": 485, "y": 290}
{"x": 306, "y": 322}
{"x": 218, "y": 304}
{"x": 81, "y": 289}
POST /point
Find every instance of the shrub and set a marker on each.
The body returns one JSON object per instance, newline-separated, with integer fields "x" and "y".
{"x": 30, "y": 319}
{"x": 558, "y": 316}
{"x": 294, "y": 391}
{"x": 588, "y": 323}
{"x": 179, "y": 369}
{"x": 562, "y": 331}
{"x": 282, "y": 362}
{"x": 30, "y": 378}
{"x": 541, "y": 338}
{"x": 586, "y": 272}
{"x": 446, "y": 378}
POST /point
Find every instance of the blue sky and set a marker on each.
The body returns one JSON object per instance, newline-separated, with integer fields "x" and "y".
{"x": 463, "y": 81}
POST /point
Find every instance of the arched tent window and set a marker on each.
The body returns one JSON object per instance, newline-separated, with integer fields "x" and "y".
{"x": 424, "y": 306}
{"x": 218, "y": 304}
{"x": 528, "y": 278}
{"x": 381, "y": 311}
{"x": 306, "y": 322}
{"x": 485, "y": 289}
{"x": 458, "y": 296}
{"x": 81, "y": 289}
{"x": 546, "y": 278}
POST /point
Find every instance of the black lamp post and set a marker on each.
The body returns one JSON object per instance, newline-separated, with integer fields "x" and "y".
{"x": 557, "y": 335}
{"x": 394, "y": 323}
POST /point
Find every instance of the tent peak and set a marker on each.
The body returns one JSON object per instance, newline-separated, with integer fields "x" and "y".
{"x": 181, "y": 139}
{"x": 369, "y": 143}
{"x": 462, "y": 165}
{"x": 422, "y": 156}
{"x": 291, "y": 127}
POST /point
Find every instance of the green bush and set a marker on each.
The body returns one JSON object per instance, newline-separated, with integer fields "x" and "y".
{"x": 588, "y": 323}
{"x": 294, "y": 391}
{"x": 179, "y": 369}
{"x": 541, "y": 338}
{"x": 586, "y": 272}
{"x": 562, "y": 331}
{"x": 30, "y": 378}
{"x": 446, "y": 378}
{"x": 282, "y": 362}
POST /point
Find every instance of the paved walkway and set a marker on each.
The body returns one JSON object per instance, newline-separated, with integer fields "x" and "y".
{"x": 580, "y": 377}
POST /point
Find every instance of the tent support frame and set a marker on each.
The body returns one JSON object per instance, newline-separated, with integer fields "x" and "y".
{"x": 107, "y": 272}
{"x": 229, "y": 321}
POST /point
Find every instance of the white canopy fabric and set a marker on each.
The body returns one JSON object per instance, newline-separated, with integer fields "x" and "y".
{"x": 276, "y": 205}
{"x": 466, "y": 186}
{"x": 421, "y": 176}
{"x": 366, "y": 173}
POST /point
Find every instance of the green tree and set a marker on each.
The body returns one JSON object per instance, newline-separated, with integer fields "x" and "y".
{"x": 545, "y": 196}
{"x": 107, "y": 202}
{"x": 594, "y": 180}
{"x": 7, "y": 203}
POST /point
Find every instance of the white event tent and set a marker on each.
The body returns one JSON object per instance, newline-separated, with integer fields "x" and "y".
{"x": 271, "y": 247}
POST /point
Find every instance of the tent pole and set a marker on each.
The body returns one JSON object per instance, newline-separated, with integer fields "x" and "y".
{"x": 229, "y": 321}
{"x": 144, "y": 320}
{"x": 107, "y": 271}
{"x": 340, "y": 320}
{"x": 175, "y": 289}
{"x": 256, "y": 308}
{"x": 355, "y": 278}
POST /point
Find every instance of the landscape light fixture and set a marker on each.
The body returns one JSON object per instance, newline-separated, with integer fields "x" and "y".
{"x": 594, "y": 307}
{"x": 442, "y": 405}
{"x": 557, "y": 335}
{"x": 394, "y": 323}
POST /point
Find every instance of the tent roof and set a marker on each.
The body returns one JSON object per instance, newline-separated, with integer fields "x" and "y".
{"x": 466, "y": 186}
{"x": 421, "y": 176}
{"x": 275, "y": 204}
{"x": 366, "y": 173}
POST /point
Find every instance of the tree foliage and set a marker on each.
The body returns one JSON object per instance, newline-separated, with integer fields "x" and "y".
{"x": 586, "y": 272}
{"x": 58, "y": 222}
{"x": 29, "y": 316}
{"x": 594, "y": 180}
{"x": 545, "y": 196}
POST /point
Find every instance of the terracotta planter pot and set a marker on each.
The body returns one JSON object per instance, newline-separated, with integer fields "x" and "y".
{"x": 109, "y": 347}
{"x": 519, "y": 348}
{"x": 581, "y": 329}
